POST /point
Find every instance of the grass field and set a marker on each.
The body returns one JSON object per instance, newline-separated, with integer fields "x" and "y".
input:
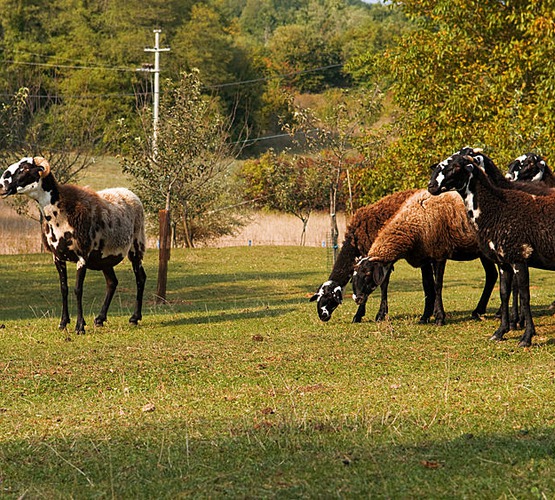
{"x": 235, "y": 388}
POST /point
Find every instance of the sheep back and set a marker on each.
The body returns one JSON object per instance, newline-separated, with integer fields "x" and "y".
{"x": 427, "y": 227}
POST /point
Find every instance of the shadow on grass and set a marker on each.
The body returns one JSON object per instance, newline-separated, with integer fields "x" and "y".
{"x": 221, "y": 317}
{"x": 314, "y": 459}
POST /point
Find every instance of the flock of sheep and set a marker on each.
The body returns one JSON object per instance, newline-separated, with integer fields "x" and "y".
{"x": 504, "y": 220}
{"x": 470, "y": 210}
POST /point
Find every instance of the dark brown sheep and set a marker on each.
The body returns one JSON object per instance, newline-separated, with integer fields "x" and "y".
{"x": 514, "y": 228}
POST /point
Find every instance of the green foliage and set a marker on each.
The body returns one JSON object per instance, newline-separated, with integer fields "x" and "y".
{"x": 471, "y": 73}
{"x": 188, "y": 170}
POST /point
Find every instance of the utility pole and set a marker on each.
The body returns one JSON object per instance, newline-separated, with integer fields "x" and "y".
{"x": 163, "y": 215}
{"x": 156, "y": 71}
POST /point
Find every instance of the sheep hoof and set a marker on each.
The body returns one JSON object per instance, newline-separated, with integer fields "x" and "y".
{"x": 477, "y": 316}
{"x": 496, "y": 337}
{"x": 423, "y": 320}
{"x": 134, "y": 321}
{"x": 524, "y": 343}
{"x": 440, "y": 322}
{"x": 99, "y": 321}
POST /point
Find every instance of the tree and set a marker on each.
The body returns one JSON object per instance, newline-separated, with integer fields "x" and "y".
{"x": 471, "y": 72}
{"x": 290, "y": 184}
{"x": 186, "y": 172}
{"x": 331, "y": 134}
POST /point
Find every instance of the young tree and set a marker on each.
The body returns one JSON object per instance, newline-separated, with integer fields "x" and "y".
{"x": 192, "y": 157}
{"x": 290, "y": 184}
{"x": 331, "y": 134}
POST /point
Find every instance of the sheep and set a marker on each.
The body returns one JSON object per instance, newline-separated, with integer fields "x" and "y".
{"x": 514, "y": 228}
{"x": 425, "y": 229}
{"x": 360, "y": 233}
{"x": 359, "y": 237}
{"x": 531, "y": 167}
{"x": 93, "y": 229}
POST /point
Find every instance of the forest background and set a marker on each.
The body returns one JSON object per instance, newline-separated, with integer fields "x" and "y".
{"x": 295, "y": 105}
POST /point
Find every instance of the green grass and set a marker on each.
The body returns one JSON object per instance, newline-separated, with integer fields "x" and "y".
{"x": 251, "y": 396}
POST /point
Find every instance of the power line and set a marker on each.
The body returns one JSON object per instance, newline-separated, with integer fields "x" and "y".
{"x": 66, "y": 66}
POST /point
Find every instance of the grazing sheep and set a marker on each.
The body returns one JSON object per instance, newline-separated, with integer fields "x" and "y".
{"x": 359, "y": 236}
{"x": 94, "y": 230}
{"x": 426, "y": 229}
{"x": 531, "y": 167}
{"x": 514, "y": 228}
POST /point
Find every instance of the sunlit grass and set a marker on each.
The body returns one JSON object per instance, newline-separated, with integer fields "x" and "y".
{"x": 234, "y": 387}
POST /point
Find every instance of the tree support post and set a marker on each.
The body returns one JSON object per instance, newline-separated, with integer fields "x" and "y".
{"x": 163, "y": 255}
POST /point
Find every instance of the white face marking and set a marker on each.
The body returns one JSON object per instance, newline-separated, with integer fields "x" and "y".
{"x": 521, "y": 158}
{"x": 323, "y": 308}
{"x": 491, "y": 245}
{"x": 440, "y": 177}
{"x": 538, "y": 176}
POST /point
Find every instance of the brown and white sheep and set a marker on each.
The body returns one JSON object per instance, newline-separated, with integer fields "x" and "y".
{"x": 96, "y": 230}
{"x": 426, "y": 229}
{"x": 359, "y": 236}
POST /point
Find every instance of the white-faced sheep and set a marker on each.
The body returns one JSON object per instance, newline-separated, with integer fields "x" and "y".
{"x": 359, "y": 236}
{"x": 96, "y": 230}
{"x": 514, "y": 228}
{"x": 531, "y": 167}
{"x": 425, "y": 229}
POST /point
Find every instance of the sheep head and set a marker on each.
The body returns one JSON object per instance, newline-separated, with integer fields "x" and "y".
{"x": 369, "y": 274}
{"x": 327, "y": 298}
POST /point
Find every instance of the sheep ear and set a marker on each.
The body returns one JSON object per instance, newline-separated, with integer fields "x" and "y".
{"x": 378, "y": 273}
{"x": 313, "y": 298}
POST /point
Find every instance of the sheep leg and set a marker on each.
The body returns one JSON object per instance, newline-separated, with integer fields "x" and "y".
{"x": 523, "y": 279}
{"x": 429, "y": 292}
{"x": 111, "y": 285}
{"x": 361, "y": 311}
{"x": 505, "y": 284}
{"x": 384, "y": 308}
{"x": 62, "y": 272}
{"x": 439, "y": 311}
{"x": 515, "y": 319}
{"x": 140, "y": 278}
{"x": 491, "y": 279}
{"x": 79, "y": 280}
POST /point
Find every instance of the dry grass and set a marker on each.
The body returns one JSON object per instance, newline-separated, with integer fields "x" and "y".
{"x": 22, "y": 235}
{"x": 18, "y": 234}
{"x": 282, "y": 229}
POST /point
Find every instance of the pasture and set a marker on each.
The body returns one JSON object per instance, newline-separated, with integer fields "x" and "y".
{"x": 235, "y": 388}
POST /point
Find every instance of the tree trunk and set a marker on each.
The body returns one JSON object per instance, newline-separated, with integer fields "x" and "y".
{"x": 334, "y": 231}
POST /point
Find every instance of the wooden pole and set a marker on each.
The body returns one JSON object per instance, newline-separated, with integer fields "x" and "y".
{"x": 163, "y": 255}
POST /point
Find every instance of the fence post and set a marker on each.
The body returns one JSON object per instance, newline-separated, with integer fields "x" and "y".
{"x": 163, "y": 255}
